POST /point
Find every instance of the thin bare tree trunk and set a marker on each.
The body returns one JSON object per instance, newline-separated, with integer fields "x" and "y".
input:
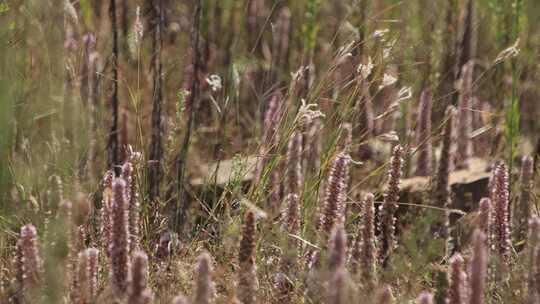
{"x": 112, "y": 144}
{"x": 182, "y": 201}
{"x": 156, "y": 145}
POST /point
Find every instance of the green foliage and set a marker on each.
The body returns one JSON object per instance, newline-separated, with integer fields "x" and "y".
{"x": 310, "y": 27}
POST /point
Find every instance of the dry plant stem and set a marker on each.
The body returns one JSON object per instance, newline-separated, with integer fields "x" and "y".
{"x": 295, "y": 176}
{"x": 106, "y": 211}
{"x": 441, "y": 195}
{"x": 423, "y": 133}
{"x": 457, "y": 292}
{"x": 448, "y": 72}
{"x": 464, "y": 121}
{"x": 522, "y": 209}
{"x": 112, "y": 143}
{"x": 313, "y": 146}
{"x": 486, "y": 216}
{"x": 253, "y": 26}
{"x": 182, "y": 202}
{"x": 478, "y": 268}
{"x": 364, "y": 128}
{"x": 389, "y": 206}
{"x": 156, "y": 144}
{"x": 247, "y": 283}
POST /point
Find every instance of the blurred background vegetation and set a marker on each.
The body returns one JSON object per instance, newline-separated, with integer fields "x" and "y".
{"x": 49, "y": 129}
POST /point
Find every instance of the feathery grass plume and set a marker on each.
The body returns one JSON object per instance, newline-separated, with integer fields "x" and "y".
{"x": 457, "y": 291}
{"x": 119, "y": 246}
{"x": 156, "y": 144}
{"x": 106, "y": 209}
{"x": 29, "y": 272}
{"x": 363, "y": 257}
{"x": 338, "y": 248}
{"x": 464, "y": 118}
{"x": 337, "y": 257}
{"x": 387, "y": 229}
{"x": 87, "y": 276}
{"x": 338, "y": 292}
{"x": 71, "y": 47}
{"x": 270, "y": 136}
{"x": 204, "y": 290}
{"x": 136, "y": 35}
{"x": 87, "y": 78}
{"x": 132, "y": 196}
{"x": 268, "y": 147}
{"x": 522, "y": 209}
{"x": 532, "y": 245}
{"x": 426, "y": 298}
{"x": 138, "y": 291}
{"x": 478, "y": 268}
{"x": 290, "y": 223}
{"x": 291, "y": 215}
{"x": 71, "y": 242}
{"x": 180, "y": 300}
{"x": 384, "y": 295}
{"x": 88, "y": 87}
{"x": 247, "y": 284}
{"x": 313, "y": 146}
{"x": 336, "y": 193}
{"x": 500, "y": 221}
{"x": 295, "y": 176}
{"x": 423, "y": 134}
